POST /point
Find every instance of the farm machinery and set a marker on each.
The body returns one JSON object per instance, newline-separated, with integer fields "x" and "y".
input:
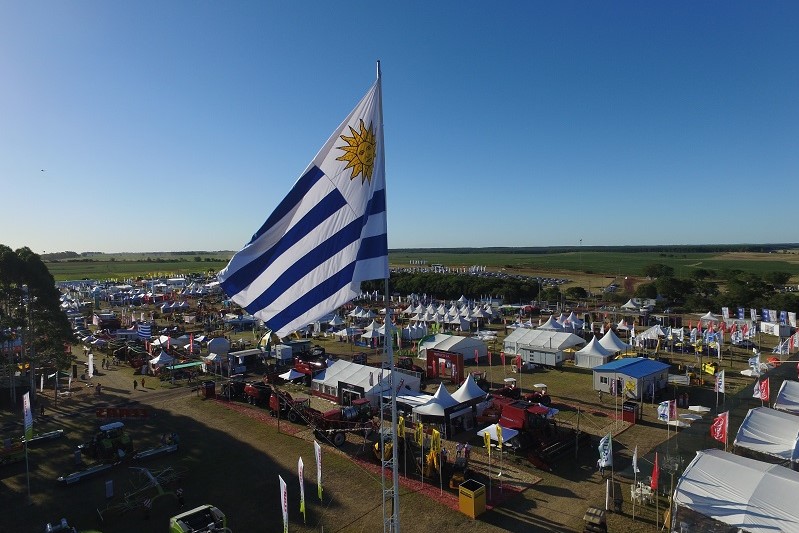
{"x": 109, "y": 444}
{"x": 332, "y": 425}
{"x": 540, "y": 439}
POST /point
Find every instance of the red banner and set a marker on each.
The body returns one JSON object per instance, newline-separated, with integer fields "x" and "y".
{"x": 655, "y": 474}
{"x": 718, "y": 429}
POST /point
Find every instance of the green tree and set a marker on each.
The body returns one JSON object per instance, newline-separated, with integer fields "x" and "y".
{"x": 657, "y": 270}
{"x": 30, "y": 306}
{"x": 646, "y": 290}
{"x": 576, "y": 293}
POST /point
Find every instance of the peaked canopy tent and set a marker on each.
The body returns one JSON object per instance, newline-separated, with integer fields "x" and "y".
{"x": 592, "y": 355}
{"x": 612, "y": 343}
{"x": 443, "y": 409}
{"x": 162, "y": 359}
{"x": 469, "y": 392}
{"x": 552, "y": 325}
{"x": 745, "y": 494}
{"x": 766, "y": 431}
{"x": 788, "y": 397}
{"x": 709, "y": 317}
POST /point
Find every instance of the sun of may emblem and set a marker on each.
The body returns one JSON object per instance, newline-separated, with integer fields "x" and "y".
{"x": 359, "y": 152}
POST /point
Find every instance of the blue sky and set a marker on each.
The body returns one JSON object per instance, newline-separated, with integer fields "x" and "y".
{"x": 180, "y": 125}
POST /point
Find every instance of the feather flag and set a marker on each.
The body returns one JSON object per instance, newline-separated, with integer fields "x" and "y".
{"x": 318, "y": 453}
{"x": 284, "y": 504}
{"x": 326, "y": 236}
{"x": 487, "y": 442}
{"x": 664, "y": 412}
{"x": 500, "y": 438}
{"x": 720, "y": 382}
{"x": 300, "y": 468}
{"x": 718, "y": 429}
{"x": 635, "y": 460}
{"x": 655, "y": 474}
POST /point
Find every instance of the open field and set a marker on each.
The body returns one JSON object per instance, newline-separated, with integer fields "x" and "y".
{"x": 592, "y": 263}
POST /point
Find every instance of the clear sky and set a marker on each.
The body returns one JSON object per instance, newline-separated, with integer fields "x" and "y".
{"x": 166, "y": 126}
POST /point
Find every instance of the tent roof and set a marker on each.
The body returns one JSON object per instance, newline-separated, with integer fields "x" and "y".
{"x": 507, "y": 433}
{"x": 469, "y": 390}
{"x": 542, "y": 338}
{"x": 710, "y": 317}
{"x": 551, "y": 324}
{"x": 454, "y": 343}
{"x": 750, "y": 495}
{"x": 788, "y": 397}
{"x": 593, "y": 348}
{"x": 652, "y": 333}
{"x": 635, "y": 367}
{"x": 162, "y": 359}
{"x": 442, "y": 400}
{"x": 770, "y": 432}
{"x": 613, "y": 343}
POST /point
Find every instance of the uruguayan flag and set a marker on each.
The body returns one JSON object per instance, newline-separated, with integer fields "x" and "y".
{"x": 325, "y": 237}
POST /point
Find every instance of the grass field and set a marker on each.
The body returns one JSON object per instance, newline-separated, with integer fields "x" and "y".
{"x": 614, "y": 264}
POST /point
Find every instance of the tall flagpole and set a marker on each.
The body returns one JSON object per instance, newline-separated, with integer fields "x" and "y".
{"x": 390, "y": 524}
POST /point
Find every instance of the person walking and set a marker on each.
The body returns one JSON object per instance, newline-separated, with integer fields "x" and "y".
{"x": 135, "y": 384}
{"x": 179, "y": 494}
{"x": 142, "y": 382}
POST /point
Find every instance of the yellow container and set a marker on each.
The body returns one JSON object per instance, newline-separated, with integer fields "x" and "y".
{"x": 472, "y": 498}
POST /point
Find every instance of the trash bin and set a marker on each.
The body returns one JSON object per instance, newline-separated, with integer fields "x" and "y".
{"x": 594, "y": 519}
{"x": 209, "y": 389}
{"x": 472, "y": 498}
{"x": 629, "y": 412}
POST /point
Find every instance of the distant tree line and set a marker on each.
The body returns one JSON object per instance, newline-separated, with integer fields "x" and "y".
{"x": 664, "y": 249}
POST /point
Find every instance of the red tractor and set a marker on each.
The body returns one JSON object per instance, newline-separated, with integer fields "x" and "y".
{"x": 283, "y": 405}
{"x": 336, "y": 423}
{"x": 257, "y": 393}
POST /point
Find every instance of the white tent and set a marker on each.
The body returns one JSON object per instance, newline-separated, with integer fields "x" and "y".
{"x": 593, "y": 354}
{"x": 788, "y": 397}
{"x": 442, "y": 400}
{"x": 352, "y": 376}
{"x": 770, "y": 432}
{"x": 468, "y": 391}
{"x": 336, "y": 321}
{"x": 454, "y": 343}
{"x": 219, "y": 345}
{"x": 551, "y": 324}
{"x": 507, "y": 433}
{"x": 709, "y": 317}
{"x": 162, "y": 359}
{"x": 745, "y": 494}
{"x": 652, "y": 333}
{"x": 612, "y": 343}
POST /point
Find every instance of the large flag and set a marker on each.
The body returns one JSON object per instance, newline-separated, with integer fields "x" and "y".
{"x": 284, "y": 504}
{"x": 720, "y": 381}
{"x": 606, "y": 451}
{"x": 28, "y": 416}
{"x": 326, "y": 237}
{"x": 635, "y": 460}
{"x": 145, "y": 330}
{"x": 318, "y": 453}
{"x": 718, "y": 429}
{"x": 655, "y": 474}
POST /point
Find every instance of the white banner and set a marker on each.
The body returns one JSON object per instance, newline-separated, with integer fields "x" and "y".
{"x": 284, "y": 504}
{"x": 300, "y": 468}
{"x": 28, "y": 416}
{"x": 318, "y": 453}
{"x": 91, "y": 365}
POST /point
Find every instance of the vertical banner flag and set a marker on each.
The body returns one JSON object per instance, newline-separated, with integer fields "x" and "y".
{"x": 664, "y": 411}
{"x": 284, "y": 504}
{"x": 655, "y": 474}
{"x": 476, "y": 357}
{"x": 635, "y": 460}
{"x": 741, "y": 313}
{"x": 606, "y": 451}
{"x": 500, "y": 438}
{"x": 502, "y": 357}
{"x": 326, "y": 236}
{"x": 720, "y": 382}
{"x": 318, "y": 453}
{"x": 764, "y": 390}
{"x": 487, "y": 442}
{"x": 90, "y": 370}
{"x": 27, "y": 416}
{"x": 672, "y": 409}
{"x": 401, "y": 427}
{"x": 419, "y": 433}
{"x": 300, "y": 468}
{"x": 718, "y": 429}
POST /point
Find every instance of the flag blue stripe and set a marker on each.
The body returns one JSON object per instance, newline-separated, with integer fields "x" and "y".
{"x": 313, "y": 297}
{"x": 322, "y": 253}
{"x": 248, "y": 273}
{"x": 294, "y": 197}
{"x": 372, "y": 247}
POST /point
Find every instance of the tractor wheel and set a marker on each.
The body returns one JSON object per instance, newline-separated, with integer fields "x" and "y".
{"x": 339, "y": 439}
{"x": 293, "y": 417}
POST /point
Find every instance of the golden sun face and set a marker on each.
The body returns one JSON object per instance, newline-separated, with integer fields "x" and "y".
{"x": 359, "y": 152}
